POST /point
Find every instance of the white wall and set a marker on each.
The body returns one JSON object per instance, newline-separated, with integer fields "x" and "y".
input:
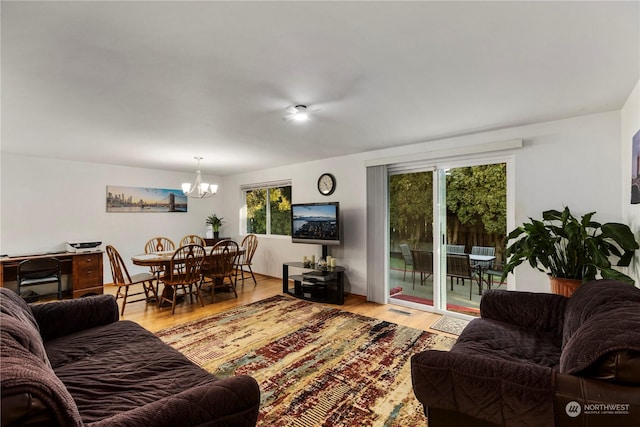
{"x": 573, "y": 162}
{"x": 46, "y": 203}
{"x": 630, "y": 125}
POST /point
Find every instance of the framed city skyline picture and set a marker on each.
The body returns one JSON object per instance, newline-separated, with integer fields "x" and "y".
{"x": 145, "y": 199}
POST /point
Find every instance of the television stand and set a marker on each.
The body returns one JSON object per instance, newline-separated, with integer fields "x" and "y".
{"x": 316, "y": 284}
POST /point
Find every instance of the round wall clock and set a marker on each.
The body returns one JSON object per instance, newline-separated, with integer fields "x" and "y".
{"x": 326, "y": 184}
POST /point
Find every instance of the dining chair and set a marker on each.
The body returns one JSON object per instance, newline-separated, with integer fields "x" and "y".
{"x": 123, "y": 280}
{"x": 459, "y": 266}
{"x": 184, "y": 273}
{"x": 408, "y": 259}
{"x": 36, "y": 272}
{"x": 423, "y": 264}
{"x": 220, "y": 266}
{"x": 192, "y": 239}
{"x": 250, "y": 244}
{"x": 158, "y": 244}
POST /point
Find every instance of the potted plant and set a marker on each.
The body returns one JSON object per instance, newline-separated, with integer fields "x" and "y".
{"x": 567, "y": 248}
{"x": 215, "y": 224}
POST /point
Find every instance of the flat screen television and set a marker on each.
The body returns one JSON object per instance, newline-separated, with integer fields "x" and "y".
{"x": 316, "y": 223}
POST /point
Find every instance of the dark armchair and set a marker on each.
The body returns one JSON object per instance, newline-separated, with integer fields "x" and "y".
{"x": 537, "y": 359}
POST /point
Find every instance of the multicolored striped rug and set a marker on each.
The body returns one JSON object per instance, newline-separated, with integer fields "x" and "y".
{"x": 316, "y": 366}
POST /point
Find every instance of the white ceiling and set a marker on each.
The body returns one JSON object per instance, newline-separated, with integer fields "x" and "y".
{"x": 152, "y": 84}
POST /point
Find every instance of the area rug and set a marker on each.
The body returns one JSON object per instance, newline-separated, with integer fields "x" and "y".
{"x": 315, "y": 365}
{"x": 450, "y": 325}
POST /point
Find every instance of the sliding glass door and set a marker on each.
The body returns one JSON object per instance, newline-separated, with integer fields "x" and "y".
{"x": 411, "y": 237}
{"x": 447, "y": 225}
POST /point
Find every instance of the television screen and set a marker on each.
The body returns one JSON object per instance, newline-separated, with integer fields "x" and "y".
{"x": 315, "y": 223}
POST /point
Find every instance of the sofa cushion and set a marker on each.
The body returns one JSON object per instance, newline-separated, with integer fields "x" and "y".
{"x": 509, "y": 342}
{"x": 124, "y": 360}
{"x": 592, "y": 298}
{"x": 18, "y": 321}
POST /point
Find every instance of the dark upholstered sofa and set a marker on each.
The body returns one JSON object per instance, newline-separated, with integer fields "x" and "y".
{"x": 539, "y": 360}
{"x": 72, "y": 363}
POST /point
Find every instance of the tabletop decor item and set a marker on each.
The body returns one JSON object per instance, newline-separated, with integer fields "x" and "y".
{"x": 215, "y": 224}
{"x": 566, "y": 247}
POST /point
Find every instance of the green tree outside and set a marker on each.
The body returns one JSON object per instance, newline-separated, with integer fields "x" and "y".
{"x": 476, "y": 207}
{"x": 279, "y": 208}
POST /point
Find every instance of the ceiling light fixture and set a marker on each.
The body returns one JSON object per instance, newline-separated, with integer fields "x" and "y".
{"x": 199, "y": 189}
{"x": 299, "y": 113}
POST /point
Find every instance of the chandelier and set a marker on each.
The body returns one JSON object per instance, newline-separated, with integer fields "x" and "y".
{"x": 199, "y": 189}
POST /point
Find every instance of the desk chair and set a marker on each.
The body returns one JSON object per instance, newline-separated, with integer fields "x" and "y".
{"x": 39, "y": 271}
{"x": 250, "y": 244}
{"x": 123, "y": 280}
{"x": 185, "y": 272}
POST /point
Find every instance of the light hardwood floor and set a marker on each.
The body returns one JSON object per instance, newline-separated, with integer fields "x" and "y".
{"x": 154, "y": 319}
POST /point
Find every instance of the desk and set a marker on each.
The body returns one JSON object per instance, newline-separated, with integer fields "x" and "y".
{"x": 85, "y": 269}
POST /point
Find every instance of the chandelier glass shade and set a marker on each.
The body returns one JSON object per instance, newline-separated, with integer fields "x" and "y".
{"x": 199, "y": 189}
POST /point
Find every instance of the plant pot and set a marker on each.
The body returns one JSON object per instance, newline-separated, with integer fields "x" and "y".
{"x": 216, "y": 234}
{"x": 562, "y": 286}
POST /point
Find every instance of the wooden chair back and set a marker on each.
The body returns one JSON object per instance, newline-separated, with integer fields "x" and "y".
{"x": 250, "y": 244}
{"x": 186, "y": 265}
{"x": 119, "y": 271}
{"x": 159, "y": 244}
{"x": 192, "y": 239}
{"x": 221, "y": 259}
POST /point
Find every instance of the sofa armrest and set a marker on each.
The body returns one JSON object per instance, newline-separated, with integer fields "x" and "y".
{"x": 526, "y": 309}
{"x": 503, "y": 392}
{"x": 228, "y": 402}
{"x": 59, "y": 318}
{"x": 595, "y": 403}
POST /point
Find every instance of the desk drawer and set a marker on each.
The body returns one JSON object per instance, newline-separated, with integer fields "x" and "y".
{"x": 87, "y": 272}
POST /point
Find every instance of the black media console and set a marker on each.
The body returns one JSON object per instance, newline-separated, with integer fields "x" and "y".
{"x": 315, "y": 284}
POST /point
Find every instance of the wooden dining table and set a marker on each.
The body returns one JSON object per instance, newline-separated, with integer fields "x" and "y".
{"x": 162, "y": 260}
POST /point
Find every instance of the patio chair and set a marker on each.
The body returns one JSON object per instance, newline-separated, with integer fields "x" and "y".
{"x": 455, "y": 249}
{"x": 408, "y": 259}
{"x": 495, "y": 271}
{"x": 483, "y": 250}
{"x": 459, "y": 266}
{"x": 423, "y": 264}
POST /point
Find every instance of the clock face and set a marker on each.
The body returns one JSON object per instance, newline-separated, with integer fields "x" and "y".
{"x": 326, "y": 184}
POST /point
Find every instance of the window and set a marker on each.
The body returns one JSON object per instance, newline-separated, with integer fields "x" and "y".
{"x": 268, "y": 209}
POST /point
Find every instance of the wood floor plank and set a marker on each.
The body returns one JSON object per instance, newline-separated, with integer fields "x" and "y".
{"x": 155, "y": 319}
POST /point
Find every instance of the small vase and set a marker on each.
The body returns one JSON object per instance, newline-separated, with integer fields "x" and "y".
{"x": 562, "y": 286}
{"x": 216, "y": 234}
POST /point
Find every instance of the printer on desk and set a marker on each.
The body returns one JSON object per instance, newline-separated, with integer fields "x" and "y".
{"x": 83, "y": 246}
